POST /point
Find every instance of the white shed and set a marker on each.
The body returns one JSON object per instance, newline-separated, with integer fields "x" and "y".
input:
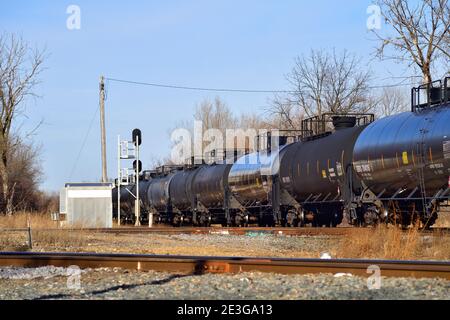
{"x": 87, "y": 205}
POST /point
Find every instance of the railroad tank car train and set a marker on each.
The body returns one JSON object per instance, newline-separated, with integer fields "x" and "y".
{"x": 337, "y": 166}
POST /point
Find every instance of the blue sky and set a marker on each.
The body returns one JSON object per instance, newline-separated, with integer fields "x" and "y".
{"x": 230, "y": 44}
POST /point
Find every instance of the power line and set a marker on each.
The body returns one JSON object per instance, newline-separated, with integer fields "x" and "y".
{"x": 170, "y": 86}
{"x": 192, "y": 88}
{"x": 83, "y": 144}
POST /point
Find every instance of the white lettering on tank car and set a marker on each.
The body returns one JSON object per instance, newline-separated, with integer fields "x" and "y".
{"x": 339, "y": 168}
{"x": 446, "y": 149}
{"x": 437, "y": 166}
{"x": 365, "y": 168}
{"x": 286, "y": 179}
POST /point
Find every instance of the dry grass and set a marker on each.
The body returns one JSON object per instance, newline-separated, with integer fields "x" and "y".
{"x": 385, "y": 242}
{"x": 444, "y": 219}
{"x": 41, "y": 237}
{"x": 60, "y": 240}
{"x": 21, "y": 219}
{"x": 55, "y": 240}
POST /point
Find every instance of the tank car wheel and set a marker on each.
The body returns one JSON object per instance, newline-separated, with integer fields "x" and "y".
{"x": 227, "y": 224}
{"x": 246, "y": 221}
{"x": 207, "y": 223}
{"x": 291, "y": 218}
{"x": 202, "y": 220}
{"x": 293, "y": 223}
{"x": 238, "y": 221}
{"x": 178, "y": 221}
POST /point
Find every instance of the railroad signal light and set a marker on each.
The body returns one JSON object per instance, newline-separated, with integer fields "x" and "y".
{"x": 137, "y": 165}
{"x": 137, "y": 135}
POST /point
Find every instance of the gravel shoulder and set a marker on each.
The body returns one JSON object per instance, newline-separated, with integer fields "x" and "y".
{"x": 105, "y": 283}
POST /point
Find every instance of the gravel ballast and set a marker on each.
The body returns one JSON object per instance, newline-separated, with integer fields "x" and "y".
{"x": 106, "y": 283}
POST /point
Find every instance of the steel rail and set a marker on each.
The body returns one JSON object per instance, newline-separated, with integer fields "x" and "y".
{"x": 304, "y": 231}
{"x": 201, "y": 230}
{"x": 209, "y": 264}
{"x": 236, "y": 231}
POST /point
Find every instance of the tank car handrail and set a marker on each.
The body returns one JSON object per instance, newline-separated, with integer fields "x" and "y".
{"x": 435, "y": 95}
{"x": 447, "y": 89}
{"x": 316, "y": 126}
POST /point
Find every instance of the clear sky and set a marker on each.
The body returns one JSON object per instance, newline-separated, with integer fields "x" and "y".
{"x": 222, "y": 43}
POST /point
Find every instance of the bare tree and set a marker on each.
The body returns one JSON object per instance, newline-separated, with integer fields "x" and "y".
{"x": 323, "y": 82}
{"x": 215, "y": 115}
{"x": 20, "y": 67}
{"x": 24, "y": 174}
{"x": 420, "y": 33}
{"x": 284, "y": 114}
{"x": 308, "y": 78}
{"x": 216, "y": 118}
{"x": 223, "y": 131}
{"x": 347, "y": 84}
{"x": 253, "y": 121}
{"x": 392, "y": 101}
{"x": 156, "y": 162}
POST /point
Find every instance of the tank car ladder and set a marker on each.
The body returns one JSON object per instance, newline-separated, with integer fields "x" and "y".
{"x": 421, "y": 174}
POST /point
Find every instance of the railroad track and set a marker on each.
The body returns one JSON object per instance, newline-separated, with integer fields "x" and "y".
{"x": 234, "y": 231}
{"x": 305, "y": 231}
{"x": 202, "y": 265}
{"x": 202, "y": 230}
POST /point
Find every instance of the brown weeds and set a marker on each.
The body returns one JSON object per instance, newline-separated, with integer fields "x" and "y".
{"x": 21, "y": 220}
{"x": 388, "y": 242}
{"x": 45, "y": 233}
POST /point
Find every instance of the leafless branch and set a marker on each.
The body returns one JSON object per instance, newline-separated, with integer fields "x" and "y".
{"x": 20, "y": 68}
{"x": 420, "y": 34}
{"x": 323, "y": 82}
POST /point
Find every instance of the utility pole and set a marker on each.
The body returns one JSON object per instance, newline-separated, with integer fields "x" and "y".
{"x": 102, "y": 128}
